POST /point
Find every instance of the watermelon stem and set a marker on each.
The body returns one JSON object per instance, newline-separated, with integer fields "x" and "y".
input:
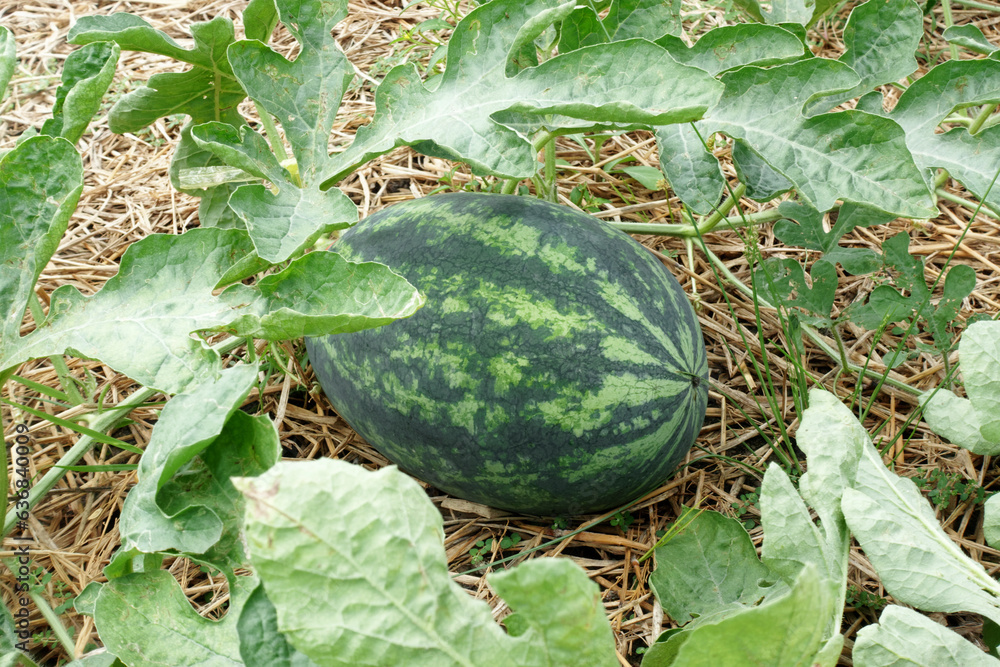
{"x": 688, "y": 230}
{"x": 550, "y": 168}
{"x": 271, "y": 130}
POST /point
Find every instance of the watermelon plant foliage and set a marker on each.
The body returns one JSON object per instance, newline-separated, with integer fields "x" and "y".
{"x": 785, "y": 609}
{"x": 375, "y": 538}
{"x": 517, "y": 75}
{"x": 972, "y": 422}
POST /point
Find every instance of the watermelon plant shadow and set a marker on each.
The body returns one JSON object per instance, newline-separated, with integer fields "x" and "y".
{"x": 557, "y": 367}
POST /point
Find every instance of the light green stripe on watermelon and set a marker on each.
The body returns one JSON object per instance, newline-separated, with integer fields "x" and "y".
{"x": 616, "y": 348}
{"x": 507, "y": 370}
{"x": 613, "y": 294}
{"x": 580, "y": 410}
{"x": 452, "y": 362}
{"x": 644, "y": 448}
{"x": 517, "y": 306}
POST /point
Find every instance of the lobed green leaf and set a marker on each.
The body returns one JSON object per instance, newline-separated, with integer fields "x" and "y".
{"x": 788, "y": 631}
{"x": 8, "y": 59}
{"x": 285, "y": 223}
{"x": 616, "y": 83}
{"x": 694, "y": 173}
{"x": 35, "y": 207}
{"x": 906, "y": 637}
{"x": 261, "y": 643}
{"x": 711, "y": 566}
{"x": 141, "y": 321}
{"x": 849, "y": 155}
{"x": 951, "y": 86}
{"x": 199, "y": 512}
{"x": 991, "y": 521}
{"x": 86, "y": 76}
{"x": 969, "y": 36}
{"x": 880, "y": 39}
{"x": 322, "y": 294}
{"x": 626, "y": 19}
{"x": 208, "y": 91}
{"x": 917, "y": 562}
{"x": 368, "y": 552}
{"x": 145, "y": 619}
{"x": 303, "y": 95}
{"x": 973, "y": 422}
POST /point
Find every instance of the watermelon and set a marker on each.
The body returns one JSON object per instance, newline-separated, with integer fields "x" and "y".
{"x": 557, "y": 367}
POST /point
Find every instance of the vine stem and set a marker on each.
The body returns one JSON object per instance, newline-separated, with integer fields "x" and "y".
{"x": 542, "y": 139}
{"x": 690, "y": 231}
{"x": 981, "y": 117}
{"x": 550, "y": 170}
{"x": 277, "y": 147}
{"x": 944, "y": 194}
{"x": 948, "y": 22}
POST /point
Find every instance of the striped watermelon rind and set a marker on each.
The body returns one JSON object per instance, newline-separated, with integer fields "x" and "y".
{"x": 557, "y": 367}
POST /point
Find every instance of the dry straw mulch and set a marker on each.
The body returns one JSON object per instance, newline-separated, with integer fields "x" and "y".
{"x": 128, "y": 196}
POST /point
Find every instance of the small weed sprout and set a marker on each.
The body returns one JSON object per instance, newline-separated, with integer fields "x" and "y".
{"x": 742, "y": 508}
{"x": 943, "y": 487}
{"x": 484, "y": 547}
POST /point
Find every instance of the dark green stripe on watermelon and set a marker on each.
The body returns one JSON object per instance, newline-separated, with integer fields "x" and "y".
{"x": 557, "y": 367}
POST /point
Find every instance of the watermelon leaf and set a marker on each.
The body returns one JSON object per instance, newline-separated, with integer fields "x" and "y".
{"x": 969, "y": 36}
{"x": 208, "y": 91}
{"x": 488, "y": 73}
{"x": 626, "y": 19}
{"x": 711, "y": 566}
{"x": 320, "y": 294}
{"x": 285, "y": 222}
{"x": 375, "y": 536}
{"x": 904, "y": 636}
{"x": 785, "y": 630}
{"x": 880, "y": 39}
{"x": 730, "y": 47}
{"x": 849, "y": 155}
{"x": 969, "y": 159}
{"x": 973, "y": 422}
{"x": 801, "y": 12}
{"x": 917, "y": 562}
{"x": 694, "y": 173}
{"x": 729, "y": 590}
{"x": 144, "y": 618}
{"x": 304, "y": 94}
{"x": 191, "y": 513}
{"x": 832, "y": 440}
{"x": 991, "y": 520}
{"x": 164, "y": 291}
{"x": 8, "y": 59}
{"x": 261, "y": 643}
{"x": 86, "y": 76}
{"x": 35, "y": 208}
